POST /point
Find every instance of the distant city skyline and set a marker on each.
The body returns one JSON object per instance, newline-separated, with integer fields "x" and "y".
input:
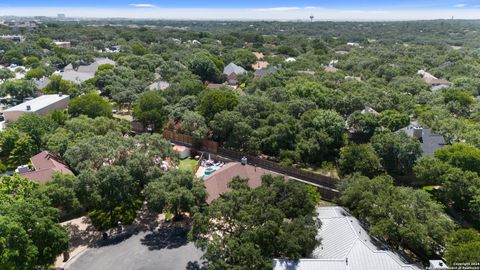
{"x": 249, "y": 10}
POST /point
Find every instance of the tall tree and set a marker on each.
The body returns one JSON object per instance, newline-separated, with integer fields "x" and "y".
{"x": 245, "y": 228}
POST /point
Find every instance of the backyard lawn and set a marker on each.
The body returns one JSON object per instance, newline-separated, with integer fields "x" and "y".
{"x": 187, "y": 164}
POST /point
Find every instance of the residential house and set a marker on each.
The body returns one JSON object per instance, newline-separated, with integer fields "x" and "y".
{"x": 231, "y": 71}
{"x": 160, "y": 85}
{"x": 430, "y": 142}
{"x": 264, "y": 72}
{"x": 41, "y": 105}
{"x": 63, "y": 44}
{"x": 84, "y": 73}
{"x": 217, "y": 183}
{"x": 434, "y": 82}
{"x": 346, "y": 245}
{"x": 44, "y": 165}
{"x": 260, "y": 65}
{"x": 330, "y": 69}
{"x": 258, "y": 55}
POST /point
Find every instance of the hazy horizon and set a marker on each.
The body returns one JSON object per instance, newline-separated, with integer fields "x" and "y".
{"x": 348, "y": 10}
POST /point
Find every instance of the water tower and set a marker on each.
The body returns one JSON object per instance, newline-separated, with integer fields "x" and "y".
{"x": 311, "y": 18}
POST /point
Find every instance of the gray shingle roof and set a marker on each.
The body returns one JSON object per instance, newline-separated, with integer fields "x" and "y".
{"x": 84, "y": 73}
{"x": 232, "y": 68}
{"x": 346, "y": 245}
{"x": 430, "y": 142}
{"x": 265, "y": 71}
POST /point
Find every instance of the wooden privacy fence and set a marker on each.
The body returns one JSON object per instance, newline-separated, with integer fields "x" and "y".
{"x": 205, "y": 145}
{"x": 326, "y": 185}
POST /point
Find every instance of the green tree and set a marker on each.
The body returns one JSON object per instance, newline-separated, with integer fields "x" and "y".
{"x": 35, "y": 126}
{"x": 6, "y": 74}
{"x": 58, "y": 85}
{"x": 405, "y": 217}
{"x": 245, "y": 228}
{"x": 91, "y": 105}
{"x": 36, "y": 73}
{"x": 150, "y": 109}
{"x": 30, "y": 234}
{"x": 112, "y": 196}
{"x": 202, "y": 65}
{"x": 359, "y": 158}
{"x": 463, "y": 246}
{"x": 321, "y": 135}
{"x": 214, "y": 101}
{"x": 20, "y": 89}
{"x": 176, "y": 192}
{"x": 397, "y": 151}
{"x": 61, "y": 192}
{"x": 365, "y": 123}
{"x": 193, "y": 124}
{"x": 460, "y": 155}
{"x": 13, "y": 56}
{"x": 393, "y": 120}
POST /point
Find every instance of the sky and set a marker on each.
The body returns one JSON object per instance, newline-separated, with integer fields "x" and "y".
{"x": 249, "y": 9}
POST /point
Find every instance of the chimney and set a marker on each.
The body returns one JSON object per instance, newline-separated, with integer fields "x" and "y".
{"x": 418, "y": 132}
{"x": 60, "y": 94}
{"x": 243, "y": 161}
{"x": 29, "y": 108}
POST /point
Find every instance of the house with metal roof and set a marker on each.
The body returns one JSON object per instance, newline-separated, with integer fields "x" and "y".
{"x": 346, "y": 244}
{"x": 41, "y": 105}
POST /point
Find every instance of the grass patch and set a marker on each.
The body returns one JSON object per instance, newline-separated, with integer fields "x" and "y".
{"x": 187, "y": 164}
{"x": 323, "y": 203}
{"x": 428, "y": 188}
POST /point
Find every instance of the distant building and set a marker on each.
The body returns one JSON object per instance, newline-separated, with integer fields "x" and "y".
{"x": 160, "y": 85}
{"x": 41, "y": 105}
{"x": 434, "y": 82}
{"x": 346, "y": 245}
{"x": 290, "y": 60}
{"x": 264, "y": 72}
{"x": 61, "y": 16}
{"x": 63, "y": 44}
{"x": 258, "y": 55}
{"x": 44, "y": 165}
{"x": 84, "y": 73}
{"x": 260, "y": 65}
{"x": 231, "y": 71}
{"x": 17, "y": 38}
{"x": 369, "y": 110}
{"x": 330, "y": 69}
{"x": 430, "y": 142}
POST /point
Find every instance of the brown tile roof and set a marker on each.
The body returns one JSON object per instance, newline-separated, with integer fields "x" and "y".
{"x": 260, "y": 65}
{"x": 217, "y": 183}
{"x": 45, "y": 164}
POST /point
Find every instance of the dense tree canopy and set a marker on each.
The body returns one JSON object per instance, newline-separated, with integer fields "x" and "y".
{"x": 247, "y": 228}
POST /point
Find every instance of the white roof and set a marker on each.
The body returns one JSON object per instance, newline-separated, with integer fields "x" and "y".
{"x": 37, "y": 104}
{"x": 345, "y": 244}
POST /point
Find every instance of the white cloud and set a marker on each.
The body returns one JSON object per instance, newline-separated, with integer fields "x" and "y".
{"x": 142, "y": 5}
{"x": 459, "y": 5}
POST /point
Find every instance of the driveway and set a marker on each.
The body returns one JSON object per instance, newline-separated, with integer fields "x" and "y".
{"x": 167, "y": 249}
